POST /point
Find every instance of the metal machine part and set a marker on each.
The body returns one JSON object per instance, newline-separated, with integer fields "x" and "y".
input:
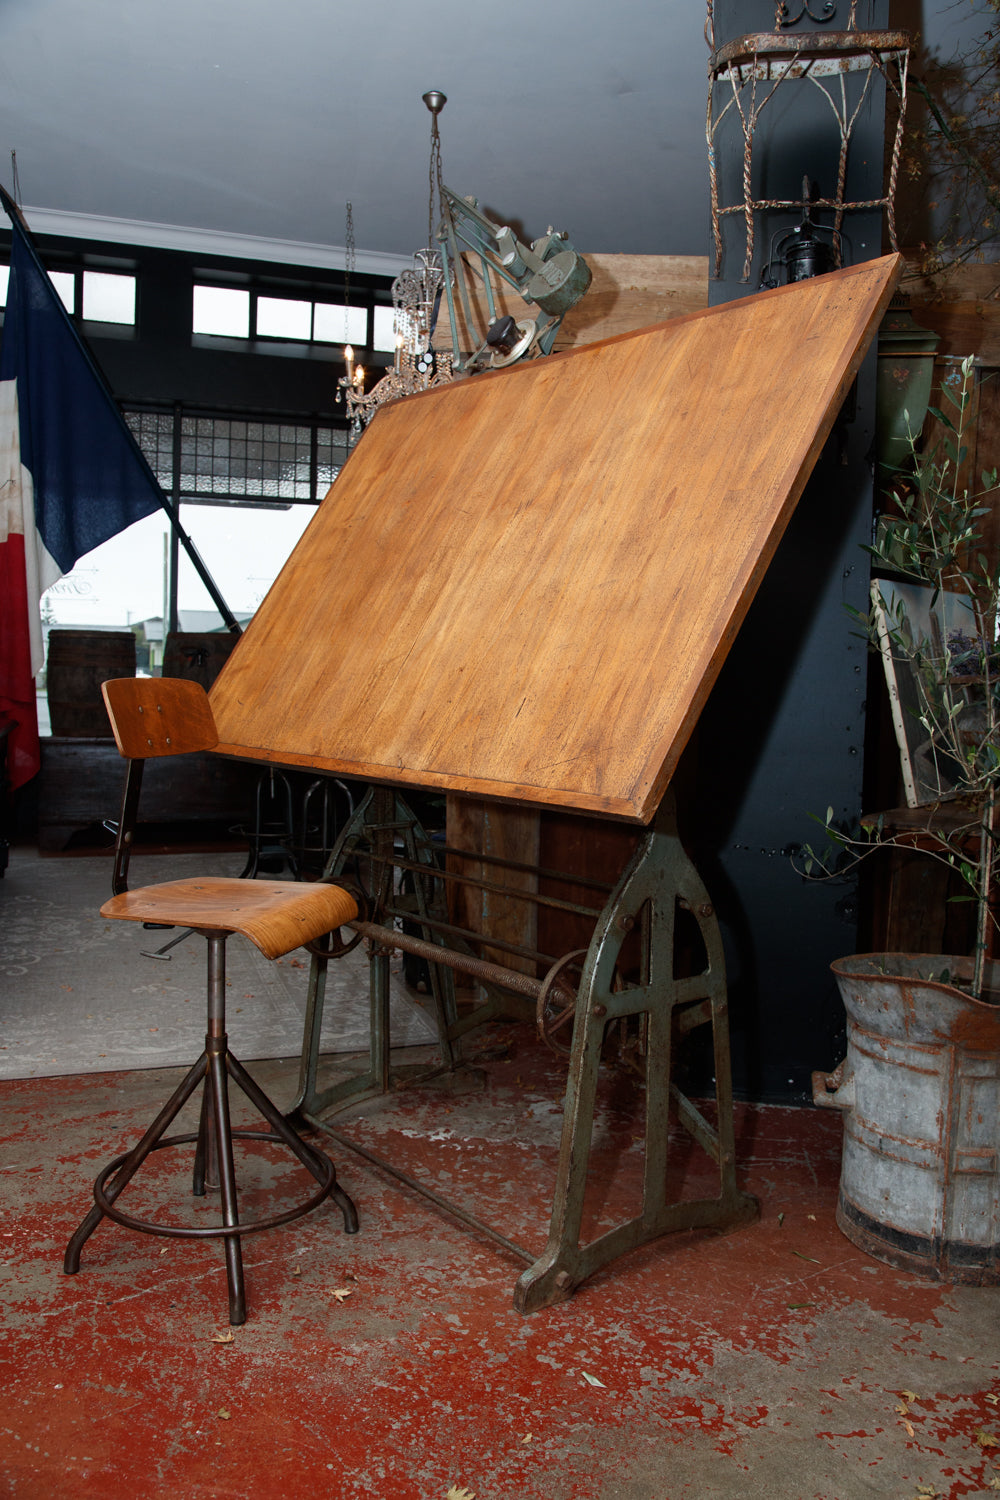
{"x": 548, "y": 273}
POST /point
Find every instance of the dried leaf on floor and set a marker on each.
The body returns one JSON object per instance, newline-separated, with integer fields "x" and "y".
{"x": 993, "y": 1400}
{"x": 806, "y": 1257}
{"x": 928, "y": 1491}
{"x": 458, "y": 1492}
{"x": 909, "y": 1429}
{"x": 910, "y": 1396}
{"x": 902, "y": 1408}
{"x": 225, "y": 1415}
{"x": 526, "y": 1438}
{"x": 781, "y": 1220}
{"x": 994, "y": 1483}
{"x": 338, "y": 1293}
{"x": 593, "y": 1380}
{"x": 228, "y": 1337}
{"x": 987, "y": 1440}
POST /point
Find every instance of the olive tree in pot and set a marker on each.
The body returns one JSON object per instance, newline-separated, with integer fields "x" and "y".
{"x": 920, "y": 1083}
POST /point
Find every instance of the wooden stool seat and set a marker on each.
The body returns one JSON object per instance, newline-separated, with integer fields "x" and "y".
{"x": 276, "y": 915}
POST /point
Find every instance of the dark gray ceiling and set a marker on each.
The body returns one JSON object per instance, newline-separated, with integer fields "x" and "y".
{"x": 257, "y": 118}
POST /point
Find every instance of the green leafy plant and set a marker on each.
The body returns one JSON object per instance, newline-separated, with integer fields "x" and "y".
{"x": 931, "y": 534}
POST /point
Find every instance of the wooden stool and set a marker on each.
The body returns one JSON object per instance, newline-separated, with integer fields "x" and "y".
{"x": 162, "y": 716}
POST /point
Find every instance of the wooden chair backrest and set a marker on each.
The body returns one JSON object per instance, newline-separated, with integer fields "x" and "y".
{"x": 159, "y": 716}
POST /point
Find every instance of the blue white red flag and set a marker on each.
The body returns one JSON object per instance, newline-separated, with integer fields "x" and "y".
{"x": 71, "y": 477}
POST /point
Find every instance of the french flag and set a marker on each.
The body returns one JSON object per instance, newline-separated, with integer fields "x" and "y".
{"x": 71, "y": 476}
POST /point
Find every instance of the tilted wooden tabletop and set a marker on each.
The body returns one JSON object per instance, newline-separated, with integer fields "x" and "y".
{"x": 523, "y": 585}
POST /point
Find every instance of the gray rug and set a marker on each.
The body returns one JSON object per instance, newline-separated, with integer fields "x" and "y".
{"x": 77, "y": 996}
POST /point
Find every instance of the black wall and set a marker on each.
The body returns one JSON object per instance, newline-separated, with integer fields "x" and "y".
{"x": 159, "y": 361}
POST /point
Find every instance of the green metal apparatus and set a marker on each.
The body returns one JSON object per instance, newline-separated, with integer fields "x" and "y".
{"x": 549, "y": 274}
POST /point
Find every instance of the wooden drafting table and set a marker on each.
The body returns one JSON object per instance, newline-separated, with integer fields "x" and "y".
{"x": 522, "y": 586}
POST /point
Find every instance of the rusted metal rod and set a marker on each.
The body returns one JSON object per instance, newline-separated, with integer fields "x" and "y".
{"x": 417, "y": 1186}
{"x": 466, "y": 934}
{"x": 479, "y": 968}
{"x": 555, "y": 903}
{"x": 476, "y": 857}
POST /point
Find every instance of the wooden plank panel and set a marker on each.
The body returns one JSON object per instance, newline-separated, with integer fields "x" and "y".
{"x": 627, "y": 292}
{"x": 509, "y": 833}
{"x": 523, "y": 585}
{"x": 961, "y": 303}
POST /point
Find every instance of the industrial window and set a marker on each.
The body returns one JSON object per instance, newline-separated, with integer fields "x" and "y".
{"x": 65, "y": 284}
{"x": 224, "y": 460}
{"x": 108, "y": 297}
{"x": 335, "y": 324}
{"x": 99, "y": 296}
{"x": 232, "y": 312}
{"x": 246, "y": 489}
{"x": 284, "y": 318}
{"x": 221, "y": 310}
{"x": 384, "y": 328}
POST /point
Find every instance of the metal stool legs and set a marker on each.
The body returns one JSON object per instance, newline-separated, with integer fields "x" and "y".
{"x": 213, "y": 1151}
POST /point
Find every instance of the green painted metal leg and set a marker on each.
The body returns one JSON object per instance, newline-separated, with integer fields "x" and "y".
{"x": 658, "y": 879}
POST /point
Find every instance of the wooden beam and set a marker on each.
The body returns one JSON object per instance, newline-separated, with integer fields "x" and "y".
{"x": 627, "y": 292}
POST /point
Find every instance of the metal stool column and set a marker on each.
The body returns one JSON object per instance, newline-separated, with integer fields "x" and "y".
{"x": 217, "y": 1086}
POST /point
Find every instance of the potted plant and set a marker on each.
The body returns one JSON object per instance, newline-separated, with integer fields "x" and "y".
{"x": 920, "y": 1085}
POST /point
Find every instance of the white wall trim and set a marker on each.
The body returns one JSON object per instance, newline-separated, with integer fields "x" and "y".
{"x": 209, "y": 241}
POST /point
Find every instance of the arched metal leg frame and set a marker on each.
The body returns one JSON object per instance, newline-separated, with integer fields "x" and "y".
{"x": 659, "y": 878}
{"x": 658, "y": 881}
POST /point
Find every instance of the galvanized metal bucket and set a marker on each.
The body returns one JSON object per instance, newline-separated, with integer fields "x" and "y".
{"x": 920, "y": 1092}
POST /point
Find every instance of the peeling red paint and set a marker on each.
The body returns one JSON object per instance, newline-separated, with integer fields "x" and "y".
{"x": 768, "y": 1360}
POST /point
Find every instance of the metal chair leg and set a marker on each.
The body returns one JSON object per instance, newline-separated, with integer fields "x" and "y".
{"x": 311, "y": 1159}
{"x": 218, "y": 1085}
{"x": 133, "y": 1161}
{"x": 202, "y": 1173}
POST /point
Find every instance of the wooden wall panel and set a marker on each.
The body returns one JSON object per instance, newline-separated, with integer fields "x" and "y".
{"x": 627, "y": 292}
{"x": 962, "y": 305}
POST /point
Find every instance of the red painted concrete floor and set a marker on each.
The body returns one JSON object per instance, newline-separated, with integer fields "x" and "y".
{"x": 774, "y": 1360}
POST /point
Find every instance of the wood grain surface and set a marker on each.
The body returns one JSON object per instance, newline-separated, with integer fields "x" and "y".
{"x": 276, "y": 915}
{"x": 153, "y": 716}
{"x": 523, "y": 585}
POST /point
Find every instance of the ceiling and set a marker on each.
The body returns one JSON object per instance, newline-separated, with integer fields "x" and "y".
{"x": 250, "y": 118}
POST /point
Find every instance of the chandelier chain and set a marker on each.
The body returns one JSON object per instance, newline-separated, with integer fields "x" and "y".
{"x": 348, "y": 271}
{"x": 434, "y": 175}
